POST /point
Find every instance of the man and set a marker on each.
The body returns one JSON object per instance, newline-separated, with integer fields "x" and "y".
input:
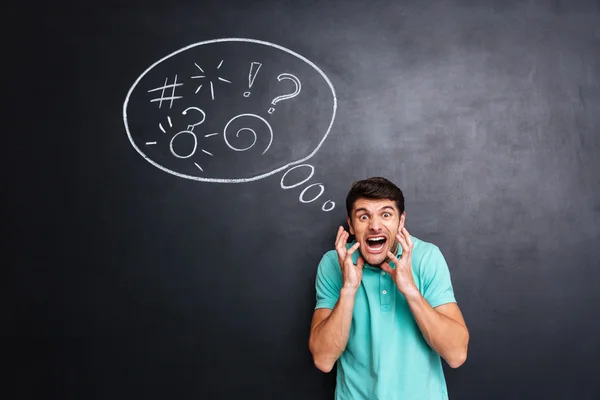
{"x": 387, "y": 312}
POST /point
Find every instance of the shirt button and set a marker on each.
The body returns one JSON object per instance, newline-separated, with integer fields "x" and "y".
{"x": 384, "y": 292}
{"x": 382, "y": 272}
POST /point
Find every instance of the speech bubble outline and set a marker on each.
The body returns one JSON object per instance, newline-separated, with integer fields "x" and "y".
{"x": 235, "y": 180}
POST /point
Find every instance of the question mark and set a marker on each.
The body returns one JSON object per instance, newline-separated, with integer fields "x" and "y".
{"x": 192, "y": 126}
{"x": 286, "y": 96}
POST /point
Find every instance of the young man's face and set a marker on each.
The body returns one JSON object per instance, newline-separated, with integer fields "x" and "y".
{"x": 375, "y": 224}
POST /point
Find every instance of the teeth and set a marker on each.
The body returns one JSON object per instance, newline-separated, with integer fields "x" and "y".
{"x": 376, "y": 239}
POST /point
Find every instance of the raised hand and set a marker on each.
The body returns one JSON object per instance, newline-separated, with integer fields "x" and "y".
{"x": 352, "y": 274}
{"x": 402, "y": 274}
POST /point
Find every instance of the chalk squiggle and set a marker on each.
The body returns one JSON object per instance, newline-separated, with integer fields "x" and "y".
{"x": 237, "y": 135}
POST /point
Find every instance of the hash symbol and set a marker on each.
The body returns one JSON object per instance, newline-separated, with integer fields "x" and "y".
{"x": 162, "y": 93}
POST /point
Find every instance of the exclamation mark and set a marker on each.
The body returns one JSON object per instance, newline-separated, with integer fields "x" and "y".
{"x": 254, "y": 67}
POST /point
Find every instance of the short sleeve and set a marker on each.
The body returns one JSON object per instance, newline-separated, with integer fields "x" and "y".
{"x": 437, "y": 284}
{"x": 328, "y": 282}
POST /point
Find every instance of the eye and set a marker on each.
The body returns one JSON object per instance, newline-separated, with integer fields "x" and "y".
{"x": 363, "y": 217}
{"x": 386, "y": 215}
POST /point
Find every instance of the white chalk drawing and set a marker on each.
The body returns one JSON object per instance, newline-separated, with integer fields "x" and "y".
{"x": 286, "y": 96}
{"x": 212, "y": 86}
{"x": 320, "y": 185}
{"x": 162, "y": 89}
{"x": 192, "y": 126}
{"x": 312, "y": 172}
{"x": 328, "y": 208}
{"x": 254, "y": 67}
{"x": 190, "y": 132}
{"x": 303, "y": 193}
{"x": 249, "y": 130}
{"x": 193, "y": 149}
{"x": 244, "y": 131}
{"x": 170, "y": 125}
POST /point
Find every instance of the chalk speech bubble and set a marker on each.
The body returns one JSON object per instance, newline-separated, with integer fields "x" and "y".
{"x": 229, "y": 110}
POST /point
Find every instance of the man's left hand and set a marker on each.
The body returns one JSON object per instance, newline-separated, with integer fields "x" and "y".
{"x": 402, "y": 274}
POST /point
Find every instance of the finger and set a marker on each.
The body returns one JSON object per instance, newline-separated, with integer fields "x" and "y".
{"x": 408, "y": 243}
{"x": 387, "y": 268}
{"x": 343, "y": 243}
{"x": 342, "y": 237}
{"x": 360, "y": 263}
{"x": 338, "y": 235}
{"x": 393, "y": 258}
{"x": 403, "y": 243}
{"x": 408, "y": 238}
{"x": 352, "y": 249}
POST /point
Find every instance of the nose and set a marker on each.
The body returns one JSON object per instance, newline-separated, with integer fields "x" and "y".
{"x": 375, "y": 224}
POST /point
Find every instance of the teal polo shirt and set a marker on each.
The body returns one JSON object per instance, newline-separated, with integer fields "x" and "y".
{"x": 386, "y": 357}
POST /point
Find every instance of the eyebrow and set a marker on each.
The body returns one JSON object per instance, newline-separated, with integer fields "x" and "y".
{"x": 381, "y": 209}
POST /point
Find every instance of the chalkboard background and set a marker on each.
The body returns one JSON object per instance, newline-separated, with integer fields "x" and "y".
{"x": 130, "y": 282}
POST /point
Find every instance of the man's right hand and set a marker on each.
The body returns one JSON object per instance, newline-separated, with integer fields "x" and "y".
{"x": 351, "y": 273}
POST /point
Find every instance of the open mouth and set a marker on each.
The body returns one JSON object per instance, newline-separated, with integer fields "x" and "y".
{"x": 375, "y": 244}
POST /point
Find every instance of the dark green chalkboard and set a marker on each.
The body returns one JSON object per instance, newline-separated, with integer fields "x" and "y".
{"x": 184, "y": 269}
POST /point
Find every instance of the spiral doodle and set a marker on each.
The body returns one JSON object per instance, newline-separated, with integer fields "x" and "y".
{"x": 250, "y": 130}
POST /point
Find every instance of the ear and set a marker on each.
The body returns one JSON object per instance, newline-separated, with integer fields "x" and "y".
{"x": 402, "y": 221}
{"x": 350, "y": 225}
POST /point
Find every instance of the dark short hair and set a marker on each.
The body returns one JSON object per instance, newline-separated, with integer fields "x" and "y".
{"x": 374, "y": 188}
